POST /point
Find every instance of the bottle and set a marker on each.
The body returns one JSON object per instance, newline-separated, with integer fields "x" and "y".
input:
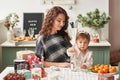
{"x": 43, "y": 73}
{"x": 72, "y": 63}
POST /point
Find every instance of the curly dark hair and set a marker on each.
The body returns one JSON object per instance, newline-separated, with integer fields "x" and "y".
{"x": 49, "y": 19}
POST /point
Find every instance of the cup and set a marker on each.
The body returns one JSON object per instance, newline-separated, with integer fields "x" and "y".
{"x": 36, "y": 71}
{"x": 31, "y": 32}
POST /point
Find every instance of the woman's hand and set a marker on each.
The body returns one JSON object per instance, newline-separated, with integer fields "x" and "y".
{"x": 64, "y": 64}
{"x": 58, "y": 64}
{"x": 83, "y": 67}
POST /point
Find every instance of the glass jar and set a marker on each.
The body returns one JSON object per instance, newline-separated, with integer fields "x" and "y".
{"x": 19, "y": 65}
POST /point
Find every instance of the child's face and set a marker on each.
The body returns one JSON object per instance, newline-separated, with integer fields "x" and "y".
{"x": 82, "y": 44}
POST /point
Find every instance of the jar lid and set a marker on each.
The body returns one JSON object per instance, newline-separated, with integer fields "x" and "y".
{"x": 19, "y": 60}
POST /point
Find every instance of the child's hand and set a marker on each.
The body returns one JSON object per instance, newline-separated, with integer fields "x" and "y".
{"x": 71, "y": 50}
{"x": 83, "y": 67}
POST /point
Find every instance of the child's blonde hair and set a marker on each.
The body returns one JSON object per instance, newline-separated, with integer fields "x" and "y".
{"x": 83, "y": 35}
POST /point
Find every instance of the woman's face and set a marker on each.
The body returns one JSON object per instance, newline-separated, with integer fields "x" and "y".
{"x": 82, "y": 44}
{"x": 59, "y": 22}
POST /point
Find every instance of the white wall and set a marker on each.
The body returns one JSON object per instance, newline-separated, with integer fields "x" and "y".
{"x": 22, "y": 6}
{"x": 2, "y": 38}
{"x": 115, "y": 25}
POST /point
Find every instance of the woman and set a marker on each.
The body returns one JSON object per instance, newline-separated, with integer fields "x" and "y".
{"x": 53, "y": 40}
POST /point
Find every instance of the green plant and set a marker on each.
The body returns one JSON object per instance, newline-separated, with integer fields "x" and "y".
{"x": 93, "y": 19}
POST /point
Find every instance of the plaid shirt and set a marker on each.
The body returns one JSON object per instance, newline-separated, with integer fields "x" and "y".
{"x": 53, "y": 48}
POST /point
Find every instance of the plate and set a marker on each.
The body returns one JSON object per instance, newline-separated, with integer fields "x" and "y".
{"x": 107, "y": 74}
{"x": 24, "y": 42}
{"x": 102, "y": 74}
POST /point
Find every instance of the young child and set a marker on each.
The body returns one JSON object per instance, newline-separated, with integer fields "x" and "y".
{"x": 79, "y": 52}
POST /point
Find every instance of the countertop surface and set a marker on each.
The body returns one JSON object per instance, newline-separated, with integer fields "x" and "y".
{"x": 19, "y": 44}
{"x": 101, "y": 43}
{"x": 33, "y": 44}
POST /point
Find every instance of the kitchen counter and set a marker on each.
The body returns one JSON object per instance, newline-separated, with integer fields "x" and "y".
{"x": 101, "y": 43}
{"x": 19, "y": 44}
{"x": 101, "y": 51}
{"x": 32, "y": 44}
{"x": 9, "y": 50}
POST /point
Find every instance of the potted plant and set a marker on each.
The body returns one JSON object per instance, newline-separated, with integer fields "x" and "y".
{"x": 10, "y": 22}
{"x": 94, "y": 19}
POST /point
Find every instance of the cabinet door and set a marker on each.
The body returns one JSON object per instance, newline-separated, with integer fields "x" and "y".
{"x": 101, "y": 55}
{"x": 9, "y": 54}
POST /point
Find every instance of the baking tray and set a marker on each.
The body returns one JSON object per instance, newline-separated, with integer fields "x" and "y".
{"x": 24, "y": 42}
